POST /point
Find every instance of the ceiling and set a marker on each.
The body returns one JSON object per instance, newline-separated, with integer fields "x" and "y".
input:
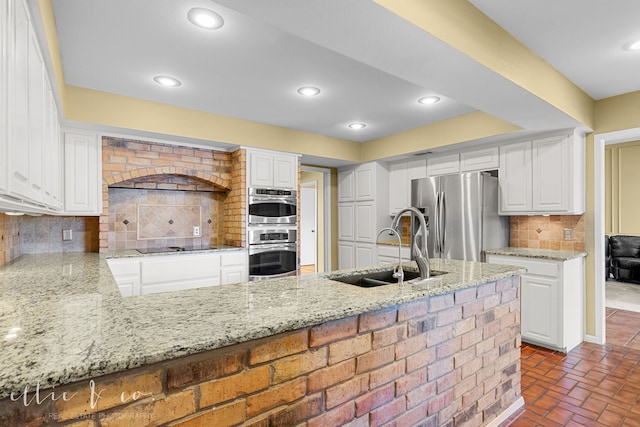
{"x": 371, "y": 65}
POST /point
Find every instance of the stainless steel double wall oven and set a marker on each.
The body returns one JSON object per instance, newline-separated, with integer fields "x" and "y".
{"x": 272, "y": 233}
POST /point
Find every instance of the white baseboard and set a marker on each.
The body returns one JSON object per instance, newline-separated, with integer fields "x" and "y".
{"x": 512, "y": 409}
{"x": 593, "y": 339}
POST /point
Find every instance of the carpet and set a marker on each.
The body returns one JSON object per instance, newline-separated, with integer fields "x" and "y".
{"x": 623, "y": 296}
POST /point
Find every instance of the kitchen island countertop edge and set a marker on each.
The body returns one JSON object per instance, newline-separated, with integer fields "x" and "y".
{"x": 66, "y": 321}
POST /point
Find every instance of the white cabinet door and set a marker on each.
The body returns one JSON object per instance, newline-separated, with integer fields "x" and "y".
{"x": 398, "y": 187}
{"x": 4, "y": 92}
{"x": 285, "y": 171}
{"x": 550, "y": 174}
{"x": 346, "y": 217}
{"x": 365, "y": 255}
{"x": 261, "y": 169}
{"x": 480, "y": 160}
{"x": 268, "y": 169}
{"x": 443, "y": 165}
{"x": 416, "y": 169}
{"x": 126, "y": 272}
{"x": 540, "y": 315}
{"x": 365, "y": 182}
{"x": 18, "y": 150}
{"x": 36, "y": 119}
{"x": 233, "y": 267}
{"x": 365, "y": 222}
{"x": 346, "y": 185}
{"x": 52, "y": 156}
{"x": 515, "y": 178}
{"x": 346, "y": 256}
{"x": 82, "y": 173}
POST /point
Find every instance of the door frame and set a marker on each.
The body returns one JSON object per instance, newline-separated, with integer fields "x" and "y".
{"x": 326, "y": 213}
{"x": 312, "y": 186}
{"x": 599, "y": 142}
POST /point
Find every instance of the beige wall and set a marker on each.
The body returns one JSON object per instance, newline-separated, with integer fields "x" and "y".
{"x": 622, "y": 199}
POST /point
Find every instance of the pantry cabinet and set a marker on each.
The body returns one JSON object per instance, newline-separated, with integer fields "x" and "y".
{"x": 543, "y": 176}
{"x": 363, "y": 208}
{"x": 552, "y": 300}
{"x": 82, "y": 173}
{"x": 272, "y": 170}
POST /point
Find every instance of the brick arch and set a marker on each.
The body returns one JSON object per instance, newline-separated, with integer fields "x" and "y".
{"x": 117, "y": 177}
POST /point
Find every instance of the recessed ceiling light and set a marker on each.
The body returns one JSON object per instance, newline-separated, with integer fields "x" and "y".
{"x": 205, "y": 18}
{"x": 308, "y": 91}
{"x": 429, "y": 100}
{"x": 635, "y": 45}
{"x": 167, "y": 81}
{"x": 357, "y": 125}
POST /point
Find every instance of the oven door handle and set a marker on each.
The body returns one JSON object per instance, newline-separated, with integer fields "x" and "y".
{"x": 255, "y": 200}
{"x": 271, "y": 247}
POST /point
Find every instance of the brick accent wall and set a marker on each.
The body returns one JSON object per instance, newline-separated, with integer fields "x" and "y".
{"x": 140, "y": 164}
{"x": 546, "y": 232}
{"x": 449, "y": 360}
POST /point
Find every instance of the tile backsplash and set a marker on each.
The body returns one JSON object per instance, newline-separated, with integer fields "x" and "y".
{"x": 144, "y": 219}
{"x": 547, "y": 232}
{"x": 43, "y": 234}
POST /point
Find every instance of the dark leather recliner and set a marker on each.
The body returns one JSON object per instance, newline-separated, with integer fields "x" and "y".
{"x": 625, "y": 258}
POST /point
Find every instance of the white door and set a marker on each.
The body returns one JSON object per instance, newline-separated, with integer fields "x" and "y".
{"x": 308, "y": 226}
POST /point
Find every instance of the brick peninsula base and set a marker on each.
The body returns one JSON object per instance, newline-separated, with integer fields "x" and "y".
{"x": 448, "y": 360}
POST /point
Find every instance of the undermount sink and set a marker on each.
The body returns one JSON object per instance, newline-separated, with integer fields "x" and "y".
{"x": 382, "y": 278}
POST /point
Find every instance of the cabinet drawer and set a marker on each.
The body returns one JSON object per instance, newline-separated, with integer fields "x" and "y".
{"x": 533, "y": 266}
{"x": 238, "y": 258}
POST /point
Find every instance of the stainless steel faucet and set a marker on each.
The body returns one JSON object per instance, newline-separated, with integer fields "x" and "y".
{"x": 398, "y": 273}
{"x": 420, "y": 253}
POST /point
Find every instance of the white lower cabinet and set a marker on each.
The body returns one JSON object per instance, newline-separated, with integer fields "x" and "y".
{"x": 162, "y": 273}
{"x": 234, "y": 268}
{"x": 552, "y": 300}
{"x": 126, "y": 272}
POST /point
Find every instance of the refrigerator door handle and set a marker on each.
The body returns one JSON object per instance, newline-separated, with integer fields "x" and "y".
{"x": 443, "y": 220}
{"x": 436, "y": 226}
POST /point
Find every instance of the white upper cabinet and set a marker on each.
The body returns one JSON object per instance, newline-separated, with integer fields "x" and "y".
{"x": 4, "y": 93}
{"x": 82, "y": 173}
{"x": 443, "y": 165}
{"x": 18, "y": 144}
{"x": 271, "y": 169}
{"x": 30, "y": 153}
{"x": 480, "y": 160}
{"x": 400, "y": 175}
{"x": 515, "y": 178}
{"x": 543, "y": 176}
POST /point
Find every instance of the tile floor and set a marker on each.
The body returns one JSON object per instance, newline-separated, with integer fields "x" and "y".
{"x": 592, "y": 385}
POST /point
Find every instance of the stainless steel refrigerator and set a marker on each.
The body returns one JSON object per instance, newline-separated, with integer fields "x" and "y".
{"x": 462, "y": 213}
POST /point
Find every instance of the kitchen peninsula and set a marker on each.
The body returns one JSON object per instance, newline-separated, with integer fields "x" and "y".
{"x": 281, "y": 351}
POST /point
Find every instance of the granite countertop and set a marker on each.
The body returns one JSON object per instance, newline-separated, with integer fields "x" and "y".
{"x": 537, "y": 253}
{"x": 62, "y": 318}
